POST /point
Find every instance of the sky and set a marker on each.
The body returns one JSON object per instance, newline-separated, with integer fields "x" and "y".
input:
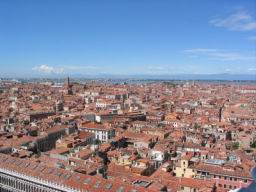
{"x": 128, "y": 37}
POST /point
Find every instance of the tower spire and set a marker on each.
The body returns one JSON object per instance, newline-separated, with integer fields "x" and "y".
{"x": 69, "y": 86}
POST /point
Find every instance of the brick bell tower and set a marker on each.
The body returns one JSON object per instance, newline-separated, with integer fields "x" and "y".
{"x": 69, "y": 87}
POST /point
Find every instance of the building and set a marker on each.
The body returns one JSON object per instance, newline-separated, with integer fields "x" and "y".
{"x": 102, "y": 132}
{"x": 20, "y": 175}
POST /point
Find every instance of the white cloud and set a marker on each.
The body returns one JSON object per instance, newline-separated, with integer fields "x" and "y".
{"x": 228, "y": 70}
{"x": 229, "y": 56}
{"x": 80, "y": 67}
{"x": 252, "y": 38}
{"x": 157, "y": 68}
{"x": 239, "y": 21}
{"x": 199, "y": 50}
{"x": 252, "y": 69}
{"x": 169, "y": 69}
{"x": 217, "y": 54}
{"x": 48, "y": 69}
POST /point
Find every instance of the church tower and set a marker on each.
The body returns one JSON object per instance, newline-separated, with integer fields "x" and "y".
{"x": 69, "y": 87}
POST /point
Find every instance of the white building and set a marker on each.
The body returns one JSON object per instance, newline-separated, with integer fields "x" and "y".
{"x": 102, "y": 133}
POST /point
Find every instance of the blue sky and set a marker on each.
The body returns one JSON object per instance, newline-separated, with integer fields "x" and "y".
{"x": 59, "y": 37}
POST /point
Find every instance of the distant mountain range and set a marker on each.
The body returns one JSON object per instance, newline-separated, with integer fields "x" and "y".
{"x": 227, "y": 77}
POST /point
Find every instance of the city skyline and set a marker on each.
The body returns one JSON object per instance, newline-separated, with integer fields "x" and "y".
{"x": 59, "y": 38}
{"x": 128, "y": 96}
